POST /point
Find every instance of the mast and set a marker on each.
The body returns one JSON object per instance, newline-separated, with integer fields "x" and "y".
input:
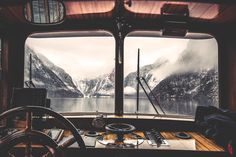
{"x": 138, "y": 77}
{"x": 30, "y": 70}
{"x": 30, "y": 83}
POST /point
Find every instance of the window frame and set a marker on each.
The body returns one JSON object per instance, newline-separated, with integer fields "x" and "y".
{"x": 80, "y": 33}
{"x": 119, "y": 80}
{"x": 189, "y": 35}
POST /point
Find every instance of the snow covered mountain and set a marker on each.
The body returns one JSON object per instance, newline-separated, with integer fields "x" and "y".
{"x": 189, "y": 76}
{"x": 101, "y": 86}
{"x": 146, "y": 72}
{"x": 201, "y": 86}
{"x": 47, "y": 75}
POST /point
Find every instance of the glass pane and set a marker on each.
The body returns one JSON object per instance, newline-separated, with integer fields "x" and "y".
{"x": 181, "y": 74}
{"x": 78, "y": 72}
{"x": 44, "y": 12}
{"x": 36, "y": 10}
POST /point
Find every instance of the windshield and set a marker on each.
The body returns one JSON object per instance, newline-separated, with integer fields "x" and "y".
{"x": 78, "y": 72}
{"x": 176, "y": 75}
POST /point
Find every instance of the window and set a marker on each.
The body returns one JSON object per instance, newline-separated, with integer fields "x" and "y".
{"x": 181, "y": 74}
{"x": 78, "y": 72}
{"x": 47, "y": 11}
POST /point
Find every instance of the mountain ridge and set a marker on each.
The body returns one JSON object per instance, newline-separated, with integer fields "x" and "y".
{"x": 47, "y": 75}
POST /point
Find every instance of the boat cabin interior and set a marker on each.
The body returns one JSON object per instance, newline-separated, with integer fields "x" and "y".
{"x": 117, "y": 78}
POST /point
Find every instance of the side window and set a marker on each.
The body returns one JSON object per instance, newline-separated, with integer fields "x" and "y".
{"x": 176, "y": 75}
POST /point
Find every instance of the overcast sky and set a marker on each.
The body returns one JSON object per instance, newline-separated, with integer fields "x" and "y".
{"x": 81, "y": 57}
{"x": 89, "y": 57}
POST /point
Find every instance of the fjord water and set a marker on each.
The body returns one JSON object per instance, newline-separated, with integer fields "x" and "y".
{"x": 106, "y": 104}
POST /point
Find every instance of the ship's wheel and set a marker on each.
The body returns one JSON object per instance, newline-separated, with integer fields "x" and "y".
{"x": 120, "y": 135}
{"x": 29, "y": 136}
{"x": 120, "y": 129}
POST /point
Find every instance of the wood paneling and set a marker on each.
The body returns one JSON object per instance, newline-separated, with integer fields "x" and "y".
{"x": 198, "y": 142}
{"x": 92, "y": 9}
{"x": 203, "y": 11}
{"x": 202, "y": 143}
{"x": 89, "y": 9}
{"x": 12, "y": 14}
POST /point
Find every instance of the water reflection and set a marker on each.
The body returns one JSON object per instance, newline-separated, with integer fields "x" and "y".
{"x": 106, "y": 104}
{"x": 83, "y": 104}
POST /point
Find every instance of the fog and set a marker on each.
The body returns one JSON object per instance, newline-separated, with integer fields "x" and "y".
{"x": 89, "y": 57}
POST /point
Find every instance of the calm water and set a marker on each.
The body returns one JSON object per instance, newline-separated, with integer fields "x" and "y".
{"x": 106, "y": 104}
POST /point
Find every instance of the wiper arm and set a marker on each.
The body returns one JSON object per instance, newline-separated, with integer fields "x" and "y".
{"x": 30, "y": 83}
{"x": 149, "y": 98}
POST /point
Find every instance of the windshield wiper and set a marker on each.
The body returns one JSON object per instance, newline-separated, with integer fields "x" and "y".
{"x": 152, "y": 95}
{"x": 30, "y": 83}
{"x": 145, "y": 91}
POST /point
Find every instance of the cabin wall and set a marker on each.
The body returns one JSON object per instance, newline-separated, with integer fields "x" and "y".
{"x": 4, "y": 75}
{"x": 13, "y": 65}
{"x": 227, "y": 68}
{"x": 231, "y": 57}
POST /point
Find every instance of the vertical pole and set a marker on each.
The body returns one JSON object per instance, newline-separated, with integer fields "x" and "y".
{"x": 138, "y": 77}
{"x": 119, "y": 71}
{"x": 30, "y": 70}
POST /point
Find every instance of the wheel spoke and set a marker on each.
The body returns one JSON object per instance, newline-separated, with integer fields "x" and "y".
{"x": 29, "y": 135}
{"x": 28, "y": 148}
{"x": 28, "y": 121}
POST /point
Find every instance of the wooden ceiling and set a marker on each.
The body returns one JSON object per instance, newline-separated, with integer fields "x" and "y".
{"x": 219, "y": 13}
{"x": 12, "y": 14}
{"x": 89, "y": 9}
{"x": 140, "y": 9}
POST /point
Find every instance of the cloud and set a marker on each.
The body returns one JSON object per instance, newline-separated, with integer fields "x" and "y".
{"x": 198, "y": 55}
{"x": 81, "y": 57}
{"x": 89, "y": 57}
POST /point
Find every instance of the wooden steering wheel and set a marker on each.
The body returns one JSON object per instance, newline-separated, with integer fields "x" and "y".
{"x": 29, "y": 136}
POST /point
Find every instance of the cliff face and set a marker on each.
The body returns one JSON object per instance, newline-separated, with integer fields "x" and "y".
{"x": 47, "y": 75}
{"x": 201, "y": 86}
{"x": 189, "y": 77}
{"x": 101, "y": 86}
{"x": 192, "y": 76}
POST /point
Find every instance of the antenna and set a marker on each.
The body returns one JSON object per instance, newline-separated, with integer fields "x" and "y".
{"x": 138, "y": 77}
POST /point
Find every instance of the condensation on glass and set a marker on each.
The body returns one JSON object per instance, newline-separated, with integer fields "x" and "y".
{"x": 177, "y": 74}
{"x": 78, "y": 72}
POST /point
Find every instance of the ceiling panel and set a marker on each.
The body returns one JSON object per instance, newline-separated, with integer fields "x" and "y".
{"x": 201, "y": 11}
{"x": 89, "y": 9}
